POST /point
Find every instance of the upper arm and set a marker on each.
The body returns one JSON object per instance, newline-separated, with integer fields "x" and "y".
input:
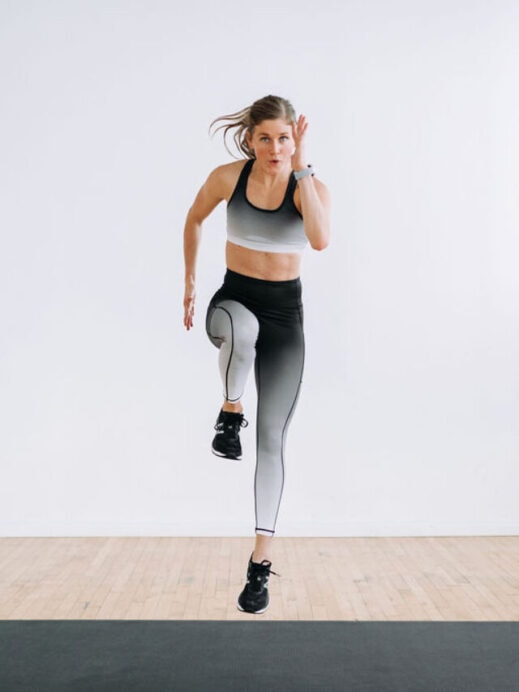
{"x": 208, "y": 197}
{"x": 217, "y": 187}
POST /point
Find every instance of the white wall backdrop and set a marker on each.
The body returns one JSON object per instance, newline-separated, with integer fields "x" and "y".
{"x": 407, "y": 423}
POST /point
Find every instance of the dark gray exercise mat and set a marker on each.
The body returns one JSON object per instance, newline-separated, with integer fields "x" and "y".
{"x": 212, "y": 656}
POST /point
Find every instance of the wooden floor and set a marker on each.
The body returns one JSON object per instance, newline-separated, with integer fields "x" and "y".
{"x": 200, "y": 578}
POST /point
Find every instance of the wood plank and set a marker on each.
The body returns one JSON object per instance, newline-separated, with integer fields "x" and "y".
{"x": 414, "y": 578}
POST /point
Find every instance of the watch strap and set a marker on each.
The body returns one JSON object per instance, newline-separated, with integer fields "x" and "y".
{"x": 304, "y": 172}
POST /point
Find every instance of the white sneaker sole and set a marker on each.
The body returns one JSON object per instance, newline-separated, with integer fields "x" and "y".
{"x": 252, "y": 612}
{"x": 224, "y": 456}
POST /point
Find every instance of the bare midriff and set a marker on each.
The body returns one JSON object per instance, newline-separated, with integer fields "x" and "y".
{"x": 269, "y": 266}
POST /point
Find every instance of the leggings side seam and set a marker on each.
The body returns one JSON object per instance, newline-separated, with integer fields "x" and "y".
{"x": 219, "y": 307}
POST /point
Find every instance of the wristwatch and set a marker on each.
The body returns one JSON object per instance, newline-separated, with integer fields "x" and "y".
{"x": 304, "y": 172}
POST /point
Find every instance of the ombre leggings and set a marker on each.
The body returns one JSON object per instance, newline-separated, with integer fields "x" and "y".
{"x": 259, "y": 322}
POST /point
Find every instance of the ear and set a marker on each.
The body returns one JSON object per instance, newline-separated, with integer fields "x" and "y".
{"x": 248, "y": 140}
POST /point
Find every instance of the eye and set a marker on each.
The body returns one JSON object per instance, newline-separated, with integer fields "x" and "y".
{"x": 284, "y": 138}
{"x": 264, "y": 139}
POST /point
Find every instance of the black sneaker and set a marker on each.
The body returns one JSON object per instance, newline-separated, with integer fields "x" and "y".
{"x": 226, "y": 442}
{"x": 255, "y": 596}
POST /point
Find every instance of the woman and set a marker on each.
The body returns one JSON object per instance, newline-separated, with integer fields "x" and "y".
{"x": 275, "y": 207}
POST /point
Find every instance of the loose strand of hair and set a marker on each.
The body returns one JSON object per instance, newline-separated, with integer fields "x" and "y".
{"x": 233, "y": 121}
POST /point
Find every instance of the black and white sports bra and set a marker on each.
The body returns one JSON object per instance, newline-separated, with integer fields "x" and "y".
{"x": 265, "y": 230}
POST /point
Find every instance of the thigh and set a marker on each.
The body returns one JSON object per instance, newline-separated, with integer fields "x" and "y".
{"x": 279, "y": 369}
{"x": 229, "y": 320}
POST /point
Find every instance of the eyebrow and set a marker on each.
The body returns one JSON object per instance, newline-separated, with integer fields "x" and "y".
{"x": 267, "y": 134}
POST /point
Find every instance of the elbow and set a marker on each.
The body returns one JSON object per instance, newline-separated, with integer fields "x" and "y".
{"x": 319, "y": 235}
{"x": 320, "y": 241}
{"x": 320, "y": 245}
{"x": 193, "y": 217}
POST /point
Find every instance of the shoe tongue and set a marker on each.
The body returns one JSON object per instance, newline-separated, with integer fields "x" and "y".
{"x": 231, "y": 415}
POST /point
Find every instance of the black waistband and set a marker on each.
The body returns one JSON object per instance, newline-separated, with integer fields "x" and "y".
{"x": 262, "y": 293}
{"x": 233, "y": 278}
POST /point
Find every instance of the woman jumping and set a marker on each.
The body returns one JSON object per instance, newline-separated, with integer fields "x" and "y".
{"x": 276, "y": 206}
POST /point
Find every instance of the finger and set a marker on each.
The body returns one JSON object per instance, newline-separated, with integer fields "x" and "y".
{"x": 188, "y": 321}
{"x": 189, "y": 311}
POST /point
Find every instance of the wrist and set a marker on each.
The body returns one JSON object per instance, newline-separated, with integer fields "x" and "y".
{"x": 303, "y": 171}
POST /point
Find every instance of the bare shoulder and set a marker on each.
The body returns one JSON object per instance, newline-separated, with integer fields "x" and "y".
{"x": 222, "y": 180}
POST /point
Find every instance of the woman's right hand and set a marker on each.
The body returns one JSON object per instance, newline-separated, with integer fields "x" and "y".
{"x": 189, "y": 305}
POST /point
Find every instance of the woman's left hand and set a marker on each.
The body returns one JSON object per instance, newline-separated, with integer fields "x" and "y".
{"x": 298, "y": 133}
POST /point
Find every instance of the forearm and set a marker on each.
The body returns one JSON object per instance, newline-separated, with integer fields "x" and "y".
{"x": 315, "y": 211}
{"x": 192, "y": 237}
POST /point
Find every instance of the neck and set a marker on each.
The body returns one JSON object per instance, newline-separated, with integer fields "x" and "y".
{"x": 268, "y": 177}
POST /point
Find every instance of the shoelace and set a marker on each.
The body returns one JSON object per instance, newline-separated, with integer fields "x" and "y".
{"x": 266, "y": 570}
{"x": 234, "y": 426}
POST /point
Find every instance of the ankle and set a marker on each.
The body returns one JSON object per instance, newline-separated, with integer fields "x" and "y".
{"x": 230, "y": 407}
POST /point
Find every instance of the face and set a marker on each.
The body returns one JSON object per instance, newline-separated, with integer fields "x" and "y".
{"x": 273, "y": 144}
